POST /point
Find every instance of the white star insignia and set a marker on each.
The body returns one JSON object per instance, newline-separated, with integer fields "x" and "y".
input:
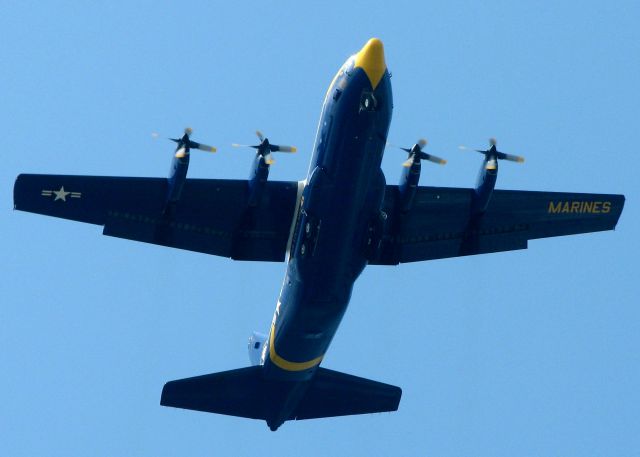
{"x": 61, "y": 194}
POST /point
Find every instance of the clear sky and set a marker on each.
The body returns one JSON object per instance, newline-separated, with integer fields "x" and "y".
{"x": 525, "y": 353}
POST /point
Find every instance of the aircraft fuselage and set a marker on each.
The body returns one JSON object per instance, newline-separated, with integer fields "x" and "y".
{"x": 338, "y": 212}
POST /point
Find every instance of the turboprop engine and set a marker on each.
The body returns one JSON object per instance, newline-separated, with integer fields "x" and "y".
{"x": 180, "y": 164}
{"x": 261, "y": 164}
{"x": 488, "y": 175}
{"x": 411, "y": 172}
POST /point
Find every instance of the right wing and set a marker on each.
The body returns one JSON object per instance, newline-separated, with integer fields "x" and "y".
{"x": 211, "y": 217}
{"x": 439, "y": 223}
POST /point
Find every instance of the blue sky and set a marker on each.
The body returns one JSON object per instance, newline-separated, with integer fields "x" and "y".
{"x": 524, "y": 353}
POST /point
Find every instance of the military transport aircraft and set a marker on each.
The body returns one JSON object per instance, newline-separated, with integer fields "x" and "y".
{"x": 326, "y": 228}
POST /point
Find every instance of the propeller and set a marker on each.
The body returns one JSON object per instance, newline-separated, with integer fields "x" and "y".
{"x": 185, "y": 143}
{"x": 265, "y": 148}
{"x": 492, "y": 154}
{"x": 416, "y": 154}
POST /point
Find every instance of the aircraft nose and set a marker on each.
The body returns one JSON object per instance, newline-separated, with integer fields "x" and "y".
{"x": 371, "y": 60}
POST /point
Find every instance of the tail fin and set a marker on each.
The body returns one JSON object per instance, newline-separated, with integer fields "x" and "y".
{"x": 245, "y": 393}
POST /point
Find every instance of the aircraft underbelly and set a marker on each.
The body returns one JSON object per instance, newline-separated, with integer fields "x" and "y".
{"x": 327, "y": 255}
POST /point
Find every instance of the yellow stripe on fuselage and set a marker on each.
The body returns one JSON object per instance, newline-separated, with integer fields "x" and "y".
{"x": 285, "y": 364}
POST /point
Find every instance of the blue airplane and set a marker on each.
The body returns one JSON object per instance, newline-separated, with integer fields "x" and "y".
{"x": 327, "y": 228}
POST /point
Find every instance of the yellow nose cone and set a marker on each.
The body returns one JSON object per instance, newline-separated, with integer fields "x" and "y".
{"x": 371, "y": 60}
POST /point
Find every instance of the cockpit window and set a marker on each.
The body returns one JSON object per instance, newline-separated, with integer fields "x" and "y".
{"x": 348, "y": 65}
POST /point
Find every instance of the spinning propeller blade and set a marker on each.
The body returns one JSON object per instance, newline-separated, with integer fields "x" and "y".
{"x": 493, "y": 153}
{"x": 416, "y": 154}
{"x": 265, "y": 148}
{"x": 185, "y": 143}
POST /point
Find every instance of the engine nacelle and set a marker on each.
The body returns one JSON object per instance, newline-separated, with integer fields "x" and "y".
{"x": 488, "y": 176}
{"x": 257, "y": 341}
{"x": 409, "y": 185}
{"x": 258, "y": 179}
{"x": 177, "y": 176}
{"x": 411, "y": 174}
{"x": 484, "y": 186}
{"x": 180, "y": 166}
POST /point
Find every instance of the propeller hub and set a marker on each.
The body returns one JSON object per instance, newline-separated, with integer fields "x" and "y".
{"x": 264, "y": 149}
{"x": 416, "y": 155}
{"x": 184, "y": 144}
{"x": 492, "y": 154}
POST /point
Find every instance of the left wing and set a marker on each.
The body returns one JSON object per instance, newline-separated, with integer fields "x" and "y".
{"x": 439, "y": 223}
{"x": 212, "y": 215}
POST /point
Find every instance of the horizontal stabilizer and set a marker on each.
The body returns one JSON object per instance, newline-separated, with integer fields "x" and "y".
{"x": 234, "y": 393}
{"x": 246, "y": 393}
{"x": 332, "y": 393}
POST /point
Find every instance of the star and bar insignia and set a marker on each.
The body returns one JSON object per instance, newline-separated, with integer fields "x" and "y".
{"x": 60, "y": 194}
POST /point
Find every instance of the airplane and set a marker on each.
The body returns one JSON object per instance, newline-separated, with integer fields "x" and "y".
{"x": 327, "y": 228}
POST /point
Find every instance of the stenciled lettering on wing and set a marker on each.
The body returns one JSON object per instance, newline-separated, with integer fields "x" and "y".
{"x": 579, "y": 207}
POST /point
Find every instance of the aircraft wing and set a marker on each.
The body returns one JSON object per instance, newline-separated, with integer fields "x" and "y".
{"x": 439, "y": 224}
{"x": 211, "y": 217}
